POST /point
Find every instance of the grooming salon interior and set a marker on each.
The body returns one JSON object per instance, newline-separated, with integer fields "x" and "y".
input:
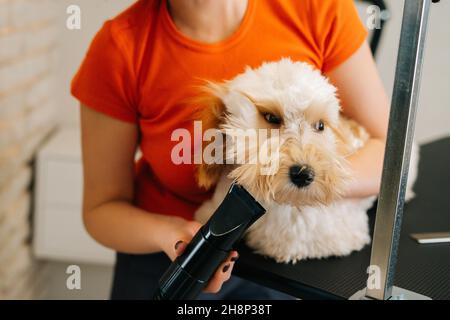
{"x": 224, "y": 149}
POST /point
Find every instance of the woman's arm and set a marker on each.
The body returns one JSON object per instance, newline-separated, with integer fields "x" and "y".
{"x": 109, "y": 148}
{"x": 364, "y": 99}
{"x": 109, "y": 216}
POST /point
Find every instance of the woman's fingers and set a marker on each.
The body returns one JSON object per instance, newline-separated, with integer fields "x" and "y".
{"x": 193, "y": 227}
{"x": 179, "y": 247}
{"x": 182, "y": 237}
{"x": 222, "y": 274}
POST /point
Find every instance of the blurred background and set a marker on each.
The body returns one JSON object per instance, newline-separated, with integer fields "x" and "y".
{"x": 41, "y": 233}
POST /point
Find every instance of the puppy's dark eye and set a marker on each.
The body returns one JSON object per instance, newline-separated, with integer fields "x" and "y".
{"x": 271, "y": 118}
{"x": 319, "y": 126}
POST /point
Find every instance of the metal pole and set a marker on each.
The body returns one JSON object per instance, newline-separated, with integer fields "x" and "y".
{"x": 398, "y": 145}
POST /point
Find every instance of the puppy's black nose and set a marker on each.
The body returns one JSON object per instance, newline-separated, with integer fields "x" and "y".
{"x": 301, "y": 175}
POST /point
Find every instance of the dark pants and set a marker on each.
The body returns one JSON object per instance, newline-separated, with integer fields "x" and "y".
{"x": 136, "y": 277}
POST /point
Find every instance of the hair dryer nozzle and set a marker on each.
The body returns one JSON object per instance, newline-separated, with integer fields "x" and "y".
{"x": 191, "y": 271}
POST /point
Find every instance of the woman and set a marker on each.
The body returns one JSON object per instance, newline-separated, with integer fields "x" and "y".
{"x": 133, "y": 86}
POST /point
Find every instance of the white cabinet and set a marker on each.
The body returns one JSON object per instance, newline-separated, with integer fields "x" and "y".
{"x": 59, "y": 233}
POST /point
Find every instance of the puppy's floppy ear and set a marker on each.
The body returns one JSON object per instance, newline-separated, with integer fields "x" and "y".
{"x": 348, "y": 132}
{"x": 212, "y": 112}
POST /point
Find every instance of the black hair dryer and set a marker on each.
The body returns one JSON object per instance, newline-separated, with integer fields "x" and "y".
{"x": 191, "y": 271}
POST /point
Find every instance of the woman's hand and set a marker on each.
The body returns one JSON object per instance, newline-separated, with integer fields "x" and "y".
{"x": 179, "y": 233}
{"x": 109, "y": 146}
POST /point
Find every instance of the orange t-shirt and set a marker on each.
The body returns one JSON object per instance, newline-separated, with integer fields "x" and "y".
{"x": 141, "y": 69}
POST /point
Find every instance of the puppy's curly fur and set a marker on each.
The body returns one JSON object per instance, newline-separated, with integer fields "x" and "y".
{"x": 311, "y": 221}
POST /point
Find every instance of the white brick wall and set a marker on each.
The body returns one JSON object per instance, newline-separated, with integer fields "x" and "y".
{"x": 28, "y": 44}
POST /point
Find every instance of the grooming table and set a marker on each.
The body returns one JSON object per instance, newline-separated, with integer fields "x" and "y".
{"x": 423, "y": 268}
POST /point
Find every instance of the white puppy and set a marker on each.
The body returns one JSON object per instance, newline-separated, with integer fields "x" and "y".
{"x": 302, "y": 183}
